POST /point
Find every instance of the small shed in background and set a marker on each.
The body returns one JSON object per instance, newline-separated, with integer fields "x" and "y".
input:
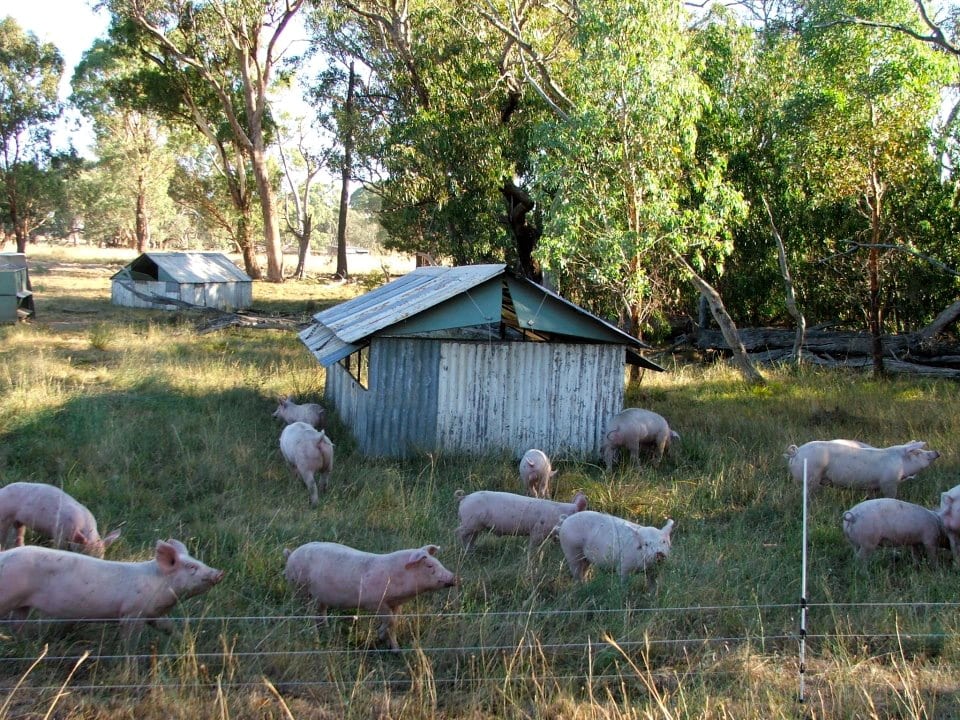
{"x": 174, "y": 279}
{"x": 471, "y": 359}
{"x": 16, "y": 298}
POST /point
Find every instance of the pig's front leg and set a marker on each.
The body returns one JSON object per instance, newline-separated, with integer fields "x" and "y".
{"x": 388, "y": 629}
{"x": 163, "y": 624}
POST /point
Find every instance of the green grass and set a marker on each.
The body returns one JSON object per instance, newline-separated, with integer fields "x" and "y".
{"x": 169, "y": 432}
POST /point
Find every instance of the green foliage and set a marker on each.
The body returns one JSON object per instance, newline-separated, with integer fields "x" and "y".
{"x": 29, "y": 74}
{"x": 629, "y": 180}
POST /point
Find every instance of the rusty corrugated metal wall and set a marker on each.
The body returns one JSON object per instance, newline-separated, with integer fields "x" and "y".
{"x": 481, "y": 397}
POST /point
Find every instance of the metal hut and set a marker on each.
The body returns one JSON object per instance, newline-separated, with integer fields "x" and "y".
{"x": 471, "y": 360}
{"x": 16, "y": 298}
{"x": 174, "y": 280}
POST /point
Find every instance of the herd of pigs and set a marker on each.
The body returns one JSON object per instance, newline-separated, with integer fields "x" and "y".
{"x": 74, "y": 582}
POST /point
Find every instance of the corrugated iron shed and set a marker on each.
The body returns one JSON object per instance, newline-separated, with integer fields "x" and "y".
{"x": 471, "y": 360}
{"x": 16, "y": 297}
{"x": 181, "y": 279}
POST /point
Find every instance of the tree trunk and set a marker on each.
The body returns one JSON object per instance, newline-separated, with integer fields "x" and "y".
{"x": 303, "y": 251}
{"x": 250, "y": 263}
{"x": 345, "y": 173}
{"x": 791, "y": 299}
{"x": 142, "y": 228}
{"x": 727, "y": 327}
{"x": 268, "y": 206}
{"x": 519, "y": 204}
{"x": 13, "y": 209}
{"x": 873, "y": 271}
{"x": 946, "y": 316}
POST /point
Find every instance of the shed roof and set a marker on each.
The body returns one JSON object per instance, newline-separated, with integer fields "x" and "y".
{"x": 183, "y": 267}
{"x": 433, "y": 299}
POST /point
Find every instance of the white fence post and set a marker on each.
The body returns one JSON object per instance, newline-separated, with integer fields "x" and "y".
{"x": 803, "y": 589}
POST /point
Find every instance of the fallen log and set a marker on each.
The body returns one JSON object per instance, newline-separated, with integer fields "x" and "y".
{"x": 835, "y": 343}
{"x": 911, "y": 353}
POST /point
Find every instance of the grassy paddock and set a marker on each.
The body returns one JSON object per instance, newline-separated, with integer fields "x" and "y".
{"x": 168, "y": 431}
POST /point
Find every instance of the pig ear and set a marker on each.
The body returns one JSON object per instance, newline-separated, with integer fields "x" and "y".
{"x": 432, "y": 549}
{"x": 668, "y": 528}
{"x": 167, "y": 557}
{"x": 945, "y": 500}
{"x": 181, "y": 548}
{"x": 417, "y": 556}
{"x": 111, "y": 538}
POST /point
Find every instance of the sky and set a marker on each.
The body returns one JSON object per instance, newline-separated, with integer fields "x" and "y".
{"x": 72, "y": 26}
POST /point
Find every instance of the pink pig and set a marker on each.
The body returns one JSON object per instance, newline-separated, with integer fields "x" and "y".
{"x": 50, "y": 511}
{"x": 505, "y": 513}
{"x": 889, "y": 522}
{"x": 309, "y": 452}
{"x": 635, "y": 428}
{"x": 535, "y": 473}
{"x": 950, "y": 515}
{"x": 845, "y": 463}
{"x": 612, "y": 543}
{"x": 334, "y": 575}
{"x": 69, "y": 586}
{"x": 310, "y": 413}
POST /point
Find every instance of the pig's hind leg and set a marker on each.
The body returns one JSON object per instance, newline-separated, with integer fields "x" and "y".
{"x": 577, "y": 562}
{"x": 308, "y": 480}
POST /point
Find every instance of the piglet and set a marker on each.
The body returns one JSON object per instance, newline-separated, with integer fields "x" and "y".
{"x": 334, "y": 575}
{"x": 505, "y": 513}
{"x": 50, "y": 511}
{"x": 612, "y": 543}
{"x": 308, "y": 452}
{"x": 635, "y": 428}
{"x": 535, "y": 473}
{"x": 68, "y": 586}
{"x": 848, "y": 464}
{"x": 310, "y": 413}
{"x": 890, "y": 522}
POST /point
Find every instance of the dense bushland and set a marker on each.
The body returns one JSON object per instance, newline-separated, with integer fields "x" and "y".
{"x": 168, "y": 431}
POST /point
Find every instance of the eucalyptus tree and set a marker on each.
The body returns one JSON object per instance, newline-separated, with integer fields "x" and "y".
{"x": 345, "y": 117}
{"x": 446, "y": 155}
{"x": 30, "y": 72}
{"x": 133, "y": 159}
{"x": 214, "y": 185}
{"x": 235, "y": 48}
{"x": 301, "y": 169}
{"x": 860, "y": 127}
{"x": 629, "y": 193}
